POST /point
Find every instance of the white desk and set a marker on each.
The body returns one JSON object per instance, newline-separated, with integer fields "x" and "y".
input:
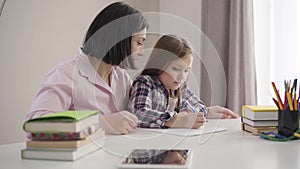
{"x": 231, "y": 149}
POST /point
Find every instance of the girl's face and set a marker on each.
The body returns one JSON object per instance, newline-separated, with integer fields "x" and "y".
{"x": 173, "y": 157}
{"x": 176, "y": 73}
{"x": 137, "y": 45}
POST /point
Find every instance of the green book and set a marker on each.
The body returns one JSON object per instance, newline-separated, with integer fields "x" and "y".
{"x": 67, "y": 121}
{"x": 70, "y": 115}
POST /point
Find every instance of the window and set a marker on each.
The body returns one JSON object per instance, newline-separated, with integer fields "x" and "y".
{"x": 277, "y": 36}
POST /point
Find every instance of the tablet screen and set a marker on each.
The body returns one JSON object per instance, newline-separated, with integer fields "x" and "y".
{"x": 157, "y": 158}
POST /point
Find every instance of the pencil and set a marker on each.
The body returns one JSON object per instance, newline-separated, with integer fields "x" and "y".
{"x": 295, "y": 102}
{"x": 299, "y": 94}
{"x": 277, "y": 95}
{"x": 285, "y": 102}
{"x": 276, "y": 102}
{"x": 289, "y": 98}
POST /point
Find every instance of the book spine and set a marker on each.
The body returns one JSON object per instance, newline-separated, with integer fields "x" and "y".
{"x": 56, "y": 136}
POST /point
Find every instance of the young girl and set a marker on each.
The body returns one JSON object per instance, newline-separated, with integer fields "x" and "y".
{"x": 160, "y": 97}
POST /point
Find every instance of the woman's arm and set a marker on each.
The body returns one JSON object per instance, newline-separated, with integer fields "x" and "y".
{"x": 54, "y": 95}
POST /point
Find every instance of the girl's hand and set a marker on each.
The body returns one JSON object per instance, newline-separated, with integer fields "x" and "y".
{"x": 173, "y": 157}
{"x": 218, "y": 112}
{"x": 187, "y": 120}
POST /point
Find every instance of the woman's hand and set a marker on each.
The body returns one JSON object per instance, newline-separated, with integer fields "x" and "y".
{"x": 119, "y": 123}
{"x": 218, "y": 112}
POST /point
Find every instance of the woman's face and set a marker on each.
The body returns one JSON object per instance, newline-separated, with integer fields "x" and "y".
{"x": 137, "y": 45}
{"x": 176, "y": 73}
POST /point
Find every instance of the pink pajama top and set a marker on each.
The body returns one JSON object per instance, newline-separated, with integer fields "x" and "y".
{"x": 75, "y": 85}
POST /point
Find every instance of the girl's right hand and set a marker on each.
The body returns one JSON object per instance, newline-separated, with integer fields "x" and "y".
{"x": 199, "y": 120}
{"x": 187, "y": 120}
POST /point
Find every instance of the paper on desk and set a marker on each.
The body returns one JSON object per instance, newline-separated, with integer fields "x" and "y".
{"x": 186, "y": 132}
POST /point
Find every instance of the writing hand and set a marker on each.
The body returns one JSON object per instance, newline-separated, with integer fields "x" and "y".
{"x": 187, "y": 120}
{"x": 119, "y": 123}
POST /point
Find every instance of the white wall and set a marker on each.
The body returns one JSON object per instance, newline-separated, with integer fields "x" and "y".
{"x": 34, "y": 36}
{"x": 184, "y": 18}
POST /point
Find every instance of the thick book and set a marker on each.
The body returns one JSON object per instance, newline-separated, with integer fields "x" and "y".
{"x": 258, "y": 130}
{"x": 257, "y": 123}
{"x": 260, "y": 112}
{"x": 67, "y": 121}
{"x": 62, "y": 154}
{"x": 36, "y": 144}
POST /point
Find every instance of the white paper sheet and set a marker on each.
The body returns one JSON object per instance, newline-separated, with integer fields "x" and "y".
{"x": 186, "y": 132}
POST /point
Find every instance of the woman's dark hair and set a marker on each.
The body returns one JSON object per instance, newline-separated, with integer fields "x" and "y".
{"x": 109, "y": 35}
{"x": 166, "y": 49}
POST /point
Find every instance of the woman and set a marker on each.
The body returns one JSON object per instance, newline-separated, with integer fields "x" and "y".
{"x": 94, "y": 78}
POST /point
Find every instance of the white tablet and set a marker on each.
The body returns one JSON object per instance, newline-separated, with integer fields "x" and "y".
{"x": 158, "y": 158}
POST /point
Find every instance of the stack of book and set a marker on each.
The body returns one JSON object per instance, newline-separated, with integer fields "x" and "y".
{"x": 259, "y": 119}
{"x": 67, "y": 135}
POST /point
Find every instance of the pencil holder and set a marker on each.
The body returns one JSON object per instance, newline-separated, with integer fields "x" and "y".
{"x": 288, "y": 122}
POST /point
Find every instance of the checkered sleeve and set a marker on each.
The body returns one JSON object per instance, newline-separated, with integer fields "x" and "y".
{"x": 141, "y": 103}
{"x": 191, "y": 102}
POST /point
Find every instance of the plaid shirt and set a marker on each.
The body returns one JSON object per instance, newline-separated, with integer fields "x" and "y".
{"x": 149, "y": 102}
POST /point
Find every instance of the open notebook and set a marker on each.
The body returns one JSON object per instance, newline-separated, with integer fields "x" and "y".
{"x": 186, "y": 132}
